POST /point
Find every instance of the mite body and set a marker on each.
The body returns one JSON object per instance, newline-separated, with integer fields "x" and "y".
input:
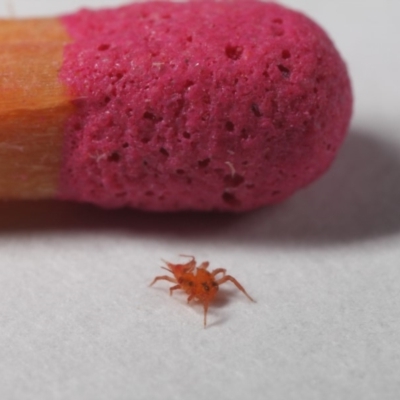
{"x": 198, "y": 282}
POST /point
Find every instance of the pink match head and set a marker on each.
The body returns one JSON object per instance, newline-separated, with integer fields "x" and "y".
{"x": 199, "y": 105}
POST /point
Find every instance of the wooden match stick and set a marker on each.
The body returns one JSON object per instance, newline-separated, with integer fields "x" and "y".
{"x": 34, "y": 106}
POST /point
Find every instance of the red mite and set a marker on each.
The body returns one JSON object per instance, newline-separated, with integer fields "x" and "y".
{"x": 197, "y": 282}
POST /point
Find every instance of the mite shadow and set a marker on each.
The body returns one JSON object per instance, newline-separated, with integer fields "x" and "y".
{"x": 358, "y": 199}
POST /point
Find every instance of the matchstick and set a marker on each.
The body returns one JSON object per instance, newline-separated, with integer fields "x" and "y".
{"x": 169, "y": 106}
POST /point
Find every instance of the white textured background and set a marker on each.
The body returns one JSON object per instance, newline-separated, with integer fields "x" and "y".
{"x": 77, "y": 320}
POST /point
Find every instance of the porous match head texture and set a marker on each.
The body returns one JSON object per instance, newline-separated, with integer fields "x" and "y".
{"x": 199, "y": 105}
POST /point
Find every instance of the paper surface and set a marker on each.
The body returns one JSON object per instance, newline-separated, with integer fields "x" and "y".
{"x": 78, "y": 320}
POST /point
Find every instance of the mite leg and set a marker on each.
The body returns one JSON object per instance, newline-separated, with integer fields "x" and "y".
{"x": 204, "y": 265}
{"x": 227, "y": 278}
{"x": 205, "y": 313}
{"x": 190, "y": 264}
{"x": 169, "y": 265}
{"x": 190, "y": 298}
{"x": 219, "y": 271}
{"x": 163, "y": 278}
{"x": 172, "y": 288}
